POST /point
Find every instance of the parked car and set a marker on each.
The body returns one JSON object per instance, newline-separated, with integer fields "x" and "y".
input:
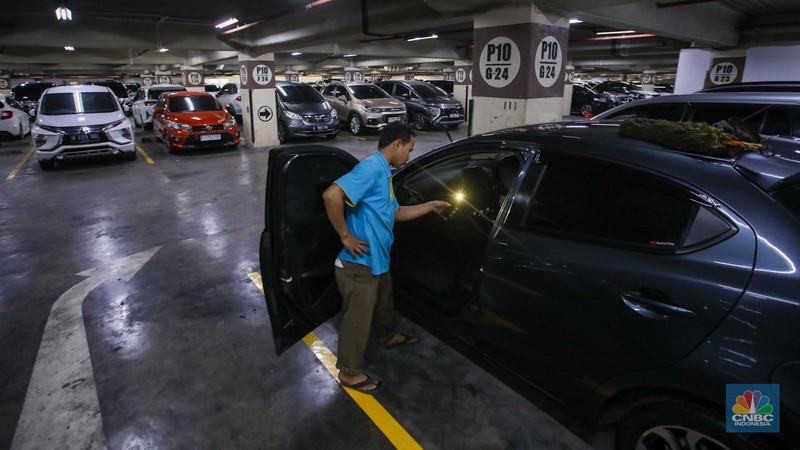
{"x": 363, "y": 105}
{"x": 80, "y": 121}
{"x": 587, "y": 102}
{"x": 14, "y": 121}
{"x": 620, "y": 282}
{"x": 427, "y": 105}
{"x": 621, "y": 91}
{"x": 773, "y": 115}
{"x": 146, "y": 99}
{"x": 211, "y": 88}
{"x": 303, "y": 112}
{"x": 28, "y": 94}
{"x": 444, "y": 85}
{"x": 184, "y": 120}
{"x": 228, "y": 96}
{"x": 117, "y": 87}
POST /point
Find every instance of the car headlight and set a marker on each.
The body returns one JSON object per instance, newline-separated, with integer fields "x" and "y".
{"x": 126, "y": 133}
{"x": 333, "y": 113}
{"x": 372, "y": 109}
{"x": 114, "y": 124}
{"x": 434, "y": 111}
{"x": 39, "y": 139}
{"x": 178, "y": 125}
{"x": 231, "y": 122}
{"x": 293, "y": 116}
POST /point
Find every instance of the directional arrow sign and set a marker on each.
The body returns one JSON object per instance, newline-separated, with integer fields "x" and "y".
{"x": 265, "y": 113}
{"x": 61, "y": 408}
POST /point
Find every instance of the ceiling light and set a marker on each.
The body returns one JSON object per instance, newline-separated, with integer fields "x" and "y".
{"x": 603, "y": 33}
{"x": 162, "y": 50}
{"x": 575, "y": 21}
{"x": 349, "y": 55}
{"x": 422, "y": 38}
{"x": 227, "y": 23}
{"x": 63, "y": 13}
{"x": 69, "y": 48}
{"x": 626, "y": 36}
{"x": 297, "y": 53}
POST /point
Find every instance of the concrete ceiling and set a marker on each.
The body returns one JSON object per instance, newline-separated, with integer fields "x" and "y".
{"x": 121, "y": 37}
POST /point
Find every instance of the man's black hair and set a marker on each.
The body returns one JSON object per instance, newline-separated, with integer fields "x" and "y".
{"x": 393, "y": 131}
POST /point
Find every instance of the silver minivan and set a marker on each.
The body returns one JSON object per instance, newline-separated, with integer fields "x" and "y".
{"x": 363, "y": 105}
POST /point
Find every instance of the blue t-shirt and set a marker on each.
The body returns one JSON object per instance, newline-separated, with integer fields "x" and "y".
{"x": 370, "y": 211}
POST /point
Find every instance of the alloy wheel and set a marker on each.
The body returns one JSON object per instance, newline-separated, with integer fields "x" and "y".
{"x": 419, "y": 122}
{"x": 668, "y": 437}
{"x": 355, "y": 124}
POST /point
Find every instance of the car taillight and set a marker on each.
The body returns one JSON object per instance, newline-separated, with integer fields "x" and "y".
{"x": 238, "y": 98}
{"x": 150, "y": 102}
{"x": 6, "y": 115}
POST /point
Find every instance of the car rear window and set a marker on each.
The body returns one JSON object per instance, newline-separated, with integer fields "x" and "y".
{"x": 762, "y": 118}
{"x": 186, "y": 104}
{"x": 57, "y": 104}
{"x": 153, "y": 94}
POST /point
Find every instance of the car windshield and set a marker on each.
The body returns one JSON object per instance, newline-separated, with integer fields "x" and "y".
{"x": 153, "y": 94}
{"x": 426, "y": 90}
{"x": 198, "y": 103}
{"x": 30, "y": 91}
{"x": 366, "y": 91}
{"x": 300, "y": 93}
{"x": 57, "y": 104}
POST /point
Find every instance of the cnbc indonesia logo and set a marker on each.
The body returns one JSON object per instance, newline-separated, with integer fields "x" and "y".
{"x": 753, "y": 410}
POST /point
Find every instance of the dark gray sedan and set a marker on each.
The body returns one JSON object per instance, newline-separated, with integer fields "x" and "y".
{"x": 633, "y": 286}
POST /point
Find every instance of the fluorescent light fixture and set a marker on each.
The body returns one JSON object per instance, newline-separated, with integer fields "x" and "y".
{"x": 422, "y": 38}
{"x": 227, "y": 23}
{"x": 603, "y": 33}
{"x": 63, "y": 13}
{"x": 349, "y": 55}
{"x": 297, "y": 53}
{"x": 626, "y": 36}
{"x": 162, "y": 50}
{"x": 69, "y": 48}
{"x": 575, "y": 21}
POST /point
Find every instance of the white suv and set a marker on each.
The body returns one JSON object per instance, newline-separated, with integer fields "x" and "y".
{"x": 146, "y": 99}
{"x": 80, "y": 121}
{"x": 230, "y": 99}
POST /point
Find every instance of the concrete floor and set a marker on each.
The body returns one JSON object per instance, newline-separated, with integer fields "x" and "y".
{"x": 178, "y": 346}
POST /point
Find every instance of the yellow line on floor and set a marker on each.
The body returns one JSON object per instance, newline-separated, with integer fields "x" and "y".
{"x": 20, "y": 165}
{"x": 393, "y": 431}
{"x": 359, "y": 138}
{"x": 146, "y": 157}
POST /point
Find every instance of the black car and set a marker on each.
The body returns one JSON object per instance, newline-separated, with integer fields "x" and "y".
{"x": 303, "y": 112}
{"x": 28, "y": 94}
{"x": 117, "y": 87}
{"x": 587, "y": 102}
{"x": 427, "y": 105}
{"x": 627, "y": 283}
{"x": 620, "y": 91}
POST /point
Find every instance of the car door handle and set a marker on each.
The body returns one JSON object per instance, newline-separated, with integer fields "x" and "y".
{"x": 647, "y": 306}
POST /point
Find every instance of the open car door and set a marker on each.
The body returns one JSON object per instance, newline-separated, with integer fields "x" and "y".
{"x": 298, "y": 244}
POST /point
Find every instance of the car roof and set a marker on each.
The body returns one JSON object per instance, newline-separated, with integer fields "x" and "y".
{"x": 187, "y": 94}
{"x": 81, "y": 88}
{"x": 757, "y": 86}
{"x": 764, "y": 170}
{"x": 726, "y": 97}
{"x": 163, "y": 86}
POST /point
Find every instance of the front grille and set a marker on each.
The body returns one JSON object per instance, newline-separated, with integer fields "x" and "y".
{"x": 452, "y": 110}
{"x": 208, "y": 128}
{"x": 317, "y": 118}
{"x": 393, "y": 110}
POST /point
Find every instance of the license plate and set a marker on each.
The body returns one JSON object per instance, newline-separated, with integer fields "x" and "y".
{"x": 394, "y": 119}
{"x": 210, "y": 137}
{"x": 453, "y": 116}
{"x": 85, "y": 137}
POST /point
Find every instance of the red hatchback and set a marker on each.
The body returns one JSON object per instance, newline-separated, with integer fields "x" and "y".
{"x": 187, "y": 119}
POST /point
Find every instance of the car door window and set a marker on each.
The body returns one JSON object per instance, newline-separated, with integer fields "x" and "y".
{"x": 762, "y": 118}
{"x": 329, "y": 90}
{"x": 666, "y": 111}
{"x": 402, "y": 91}
{"x": 621, "y": 206}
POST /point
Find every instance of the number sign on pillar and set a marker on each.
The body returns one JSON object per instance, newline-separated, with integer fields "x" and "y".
{"x": 508, "y": 53}
{"x": 193, "y": 78}
{"x": 725, "y": 71}
{"x": 463, "y": 75}
{"x": 257, "y": 74}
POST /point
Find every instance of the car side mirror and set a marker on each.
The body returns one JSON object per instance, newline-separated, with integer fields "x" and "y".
{"x": 158, "y": 110}
{"x": 342, "y": 98}
{"x": 405, "y": 96}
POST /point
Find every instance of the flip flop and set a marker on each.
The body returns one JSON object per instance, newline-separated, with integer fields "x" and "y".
{"x": 361, "y": 385}
{"x": 407, "y": 340}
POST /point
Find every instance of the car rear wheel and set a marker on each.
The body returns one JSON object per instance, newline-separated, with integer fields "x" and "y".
{"x": 356, "y": 127}
{"x": 281, "y": 132}
{"x": 668, "y": 424}
{"x": 418, "y": 120}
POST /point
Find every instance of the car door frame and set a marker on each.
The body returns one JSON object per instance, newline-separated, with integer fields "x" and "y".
{"x": 299, "y": 286}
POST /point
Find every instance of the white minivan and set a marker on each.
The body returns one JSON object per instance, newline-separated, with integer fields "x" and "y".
{"x": 80, "y": 121}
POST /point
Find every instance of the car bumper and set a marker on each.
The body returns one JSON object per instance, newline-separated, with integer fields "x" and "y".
{"x": 184, "y": 140}
{"x": 67, "y": 152}
{"x": 450, "y": 119}
{"x": 303, "y": 129}
{"x": 378, "y": 121}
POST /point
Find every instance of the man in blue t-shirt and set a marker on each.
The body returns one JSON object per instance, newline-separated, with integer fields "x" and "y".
{"x": 362, "y": 209}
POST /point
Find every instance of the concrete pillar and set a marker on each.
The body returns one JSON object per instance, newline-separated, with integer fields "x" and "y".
{"x": 193, "y": 78}
{"x": 649, "y": 81}
{"x": 519, "y": 56}
{"x": 259, "y": 109}
{"x": 291, "y": 75}
{"x": 353, "y": 74}
{"x": 462, "y": 89}
{"x": 5, "y": 86}
{"x": 700, "y": 68}
{"x": 773, "y": 63}
{"x": 569, "y": 76}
